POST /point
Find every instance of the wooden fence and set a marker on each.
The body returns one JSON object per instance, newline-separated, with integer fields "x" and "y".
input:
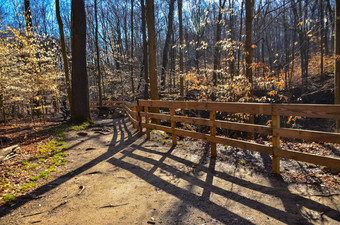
{"x": 140, "y": 116}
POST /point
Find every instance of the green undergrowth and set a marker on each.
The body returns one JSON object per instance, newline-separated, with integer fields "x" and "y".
{"x": 47, "y": 158}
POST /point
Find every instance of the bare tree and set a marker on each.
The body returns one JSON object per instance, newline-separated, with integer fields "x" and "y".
{"x": 218, "y": 38}
{"x": 337, "y": 59}
{"x": 150, "y": 19}
{"x": 167, "y": 43}
{"x": 181, "y": 46}
{"x": 100, "y": 95}
{"x": 63, "y": 51}
{"x": 131, "y": 56}
{"x": 80, "y": 110}
{"x": 145, "y": 53}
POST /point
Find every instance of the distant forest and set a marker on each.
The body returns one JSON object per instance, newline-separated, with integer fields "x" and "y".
{"x": 220, "y": 50}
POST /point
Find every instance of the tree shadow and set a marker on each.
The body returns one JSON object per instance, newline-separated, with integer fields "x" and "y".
{"x": 126, "y": 146}
{"x": 292, "y": 203}
{"x": 114, "y": 148}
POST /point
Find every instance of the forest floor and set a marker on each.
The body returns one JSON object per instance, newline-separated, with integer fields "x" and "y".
{"x": 110, "y": 174}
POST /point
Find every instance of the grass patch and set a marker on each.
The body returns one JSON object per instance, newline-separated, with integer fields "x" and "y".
{"x": 33, "y": 166}
{"x": 34, "y": 178}
{"x": 44, "y": 174}
{"x": 52, "y": 147}
{"x": 80, "y": 127}
{"x": 9, "y": 197}
{"x": 26, "y": 186}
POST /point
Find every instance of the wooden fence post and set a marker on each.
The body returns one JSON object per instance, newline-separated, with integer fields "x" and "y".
{"x": 146, "y": 110}
{"x": 212, "y": 117}
{"x": 139, "y": 118}
{"x": 276, "y": 144}
{"x": 173, "y": 127}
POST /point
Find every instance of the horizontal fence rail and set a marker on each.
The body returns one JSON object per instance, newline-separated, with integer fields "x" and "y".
{"x": 141, "y": 117}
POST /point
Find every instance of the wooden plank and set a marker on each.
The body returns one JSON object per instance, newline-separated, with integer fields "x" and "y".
{"x": 225, "y": 124}
{"x": 129, "y": 111}
{"x": 308, "y": 110}
{"x": 212, "y": 117}
{"x": 276, "y": 145}
{"x": 253, "y": 108}
{"x": 242, "y": 144}
{"x": 192, "y": 134}
{"x": 309, "y": 135}
{"x": 139, "y": 118}
{"x": 244, "y": 127}
{"x": 133, "y": 121}
{"x": 157, "y": 127}
{"x": 173, "y": 127}
{"x": 157, "y": 116}
{"x": 198, "y": 121}
{"x": 218, "y": 123}
{"x": 148, "y": 134}
{"x": 310, "y": 158}
{"x": 222, "y": 140}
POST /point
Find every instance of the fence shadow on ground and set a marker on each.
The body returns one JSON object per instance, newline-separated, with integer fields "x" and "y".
{"x": 127, "y": 147}
{"x": 292, "y": 203}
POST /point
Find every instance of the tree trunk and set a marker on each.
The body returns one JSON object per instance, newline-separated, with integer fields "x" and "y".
{"x": 28, "y": 17}
{"x": 100, "y": 95}
{"x": 321, "y": 40}
{"x": 181, "y": 45}
{"x": 337, "y": 59}
{"x": 249, "y": 53}
{"x": 80, "y": 90}
{"x": 167, "y": 44}
{"x": 217, "y": 44}
{"x": 131, "y": 61}
{"x": 63, "y": 51}
{"x": 150, "y": 19}
{"x": 145, "y": 54}
{"x": 239, "y": 40}
{"x": 248, "y": 45}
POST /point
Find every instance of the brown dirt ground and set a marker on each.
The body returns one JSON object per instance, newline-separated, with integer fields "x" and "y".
{"x": 117, "y": 177}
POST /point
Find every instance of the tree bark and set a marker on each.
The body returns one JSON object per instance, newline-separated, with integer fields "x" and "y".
{"x": 218, "y": 38}
{"x": 337, "y": 59}
{"x": 150, "y": 19}
{"x": 63, "y": 51}
{"x": 248, "y": 44}
{"x": 100, "y": 95}
{"x": 28, "y": 17}
{"x": 145, "y": 54}
{"x": 249, "y": 53}
{"x": 80, "y": 111}
{"x": 167, "y": 43}
{"x": 239, "y": 40}
{"x": 131, "y": 57}
{"x": 181, "y": 45}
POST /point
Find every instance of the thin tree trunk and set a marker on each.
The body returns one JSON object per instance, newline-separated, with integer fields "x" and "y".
{"x": 321, "y": 40}
{"x": 249, "y": 53}
{"x": 239, "y": 40}
{"x": 248, "y": 45}
{"x": 337, "y": 59}
{"x": 63, "y": 51}
{"x": 217, "y": 44}
{"x": 100, "y": 97}
{"x": 131, "y": 61}
{"x": 28, "y": 18}
{"x": 181, "y": 46}
{"x": 145, "y": 54}
{"x": 167, "y": 44}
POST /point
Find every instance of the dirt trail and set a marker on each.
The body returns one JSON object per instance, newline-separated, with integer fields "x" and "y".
{"x": 115, "y": 176}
